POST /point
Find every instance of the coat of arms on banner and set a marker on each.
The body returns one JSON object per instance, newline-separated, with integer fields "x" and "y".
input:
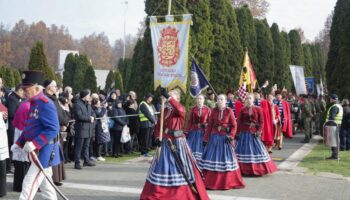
{"x": 168, "y": 47}
{"x": 170, "y": 51}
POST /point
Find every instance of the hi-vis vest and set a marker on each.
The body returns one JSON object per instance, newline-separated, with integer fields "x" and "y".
{"x": 338, "y": 118}
{"x": 143, "y": 118}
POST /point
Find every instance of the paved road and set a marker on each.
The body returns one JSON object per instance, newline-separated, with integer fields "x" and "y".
{"x": 124, "y": 181}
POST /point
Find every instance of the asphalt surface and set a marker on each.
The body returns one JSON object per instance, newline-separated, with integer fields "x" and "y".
{"x": 125, "y": 181}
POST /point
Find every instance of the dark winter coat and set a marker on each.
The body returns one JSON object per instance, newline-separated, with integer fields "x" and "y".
{"x": 82, "y": 114}
{"x": 101, "y": 128}
{"x": 63, "y": 116}
{"x": 119, "y": 122}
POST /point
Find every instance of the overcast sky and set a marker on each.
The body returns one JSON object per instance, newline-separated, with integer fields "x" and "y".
{"x": 83, "y": 17}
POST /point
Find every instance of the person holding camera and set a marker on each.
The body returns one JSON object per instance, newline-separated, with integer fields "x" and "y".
{"x": 253, "y": 158}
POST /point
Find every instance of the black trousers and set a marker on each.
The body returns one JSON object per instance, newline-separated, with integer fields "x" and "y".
{"x": 3, "y": 178}
{"x": 145, "y": 138}
{"x": 81, "y": 147}
{"x": 21, "y": 169}
{"x": 10, "y": 137}
{"x": 117, "y": 145}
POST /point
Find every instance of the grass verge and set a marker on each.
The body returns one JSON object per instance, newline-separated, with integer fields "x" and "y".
{"x": 125, "y": 157}
{"x": 315, "y": 162}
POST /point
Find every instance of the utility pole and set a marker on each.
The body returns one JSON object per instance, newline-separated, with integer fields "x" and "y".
{"x": 126, "y": 8}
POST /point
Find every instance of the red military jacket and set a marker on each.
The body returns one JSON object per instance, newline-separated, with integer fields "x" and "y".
{"x": 250, "y": 122}
{"x": 174, "y": 117}
{"x": 219, "y": 121}
{"x": 198, "y": 118}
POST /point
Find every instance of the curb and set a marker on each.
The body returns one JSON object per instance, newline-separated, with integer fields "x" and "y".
{"x": 293, "y": 160}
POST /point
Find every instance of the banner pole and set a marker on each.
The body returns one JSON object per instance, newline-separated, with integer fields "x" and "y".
{"x": 159, "y": 149}
{"x": 169, "y": 7}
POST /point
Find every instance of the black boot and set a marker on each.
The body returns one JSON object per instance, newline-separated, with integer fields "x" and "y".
{"x": 334, "y": 154}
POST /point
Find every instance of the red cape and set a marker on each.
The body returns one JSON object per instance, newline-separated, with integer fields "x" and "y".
{"x": 287, "y": 125}
{"x": 267, "y": 136}
{"x": 238, "y": 107}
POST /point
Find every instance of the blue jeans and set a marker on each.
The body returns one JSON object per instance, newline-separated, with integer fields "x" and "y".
{"x": 81, "y": 147}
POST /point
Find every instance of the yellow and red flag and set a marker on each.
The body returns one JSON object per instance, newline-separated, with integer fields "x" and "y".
{"x": 247, "y": 74}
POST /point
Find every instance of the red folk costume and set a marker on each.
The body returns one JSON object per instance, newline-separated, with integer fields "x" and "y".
{"x": 196, "y": 125}
{"x": 238, "y": 107}
{"x": 219, "y": 163}
{"x": 164, "y": 179}
{"x": 287, "y": 120}
{"x": 267, "y": 136}
{"x": 276, "y": 117}
{"x": 252, "y": 156}
{"x": 198, "y": 118}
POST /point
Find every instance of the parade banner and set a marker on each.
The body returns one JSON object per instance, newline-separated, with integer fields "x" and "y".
{"x": 198, "y": 80}
{"x": 319, "y": 88}
{"x": 247, "y": 74}
{"x": 170, "y": 51}
{"x": 298, "y": 79}
{"x": 310, "y": 84}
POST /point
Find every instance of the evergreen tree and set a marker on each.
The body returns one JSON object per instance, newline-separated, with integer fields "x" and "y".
{"x": 75, "y": 67}
{"x": 288, "y": 81}
{"x": 265, "y": 67}
{"x": 89, "y": 81}
{"x": 308, "y": 61}
{"x": 338, "y": 63}
{"x": 69, "y": 69}
{"x": 227, "y": 52}
{"x": 38, "y": 61}
{"x": 279, "y": 57}
{"x": 58, "y": 79}
{"x": 247, "y": 32}
{"x": 83, "y": 63}
{"x": 124, "y": 66}
{"x": 109, "y": 80}
{"x": 201, "y": 34}
{"x": 119, "y": 81}
{"x": 7, "y": 76}
{"x": 17, "y": 77}
{"x": 321, "y": 62}
{"x": 297, "y": 57}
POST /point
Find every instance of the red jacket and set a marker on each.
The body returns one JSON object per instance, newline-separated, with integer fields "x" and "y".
{"x": 219, "y": 122}
{"x": 198, "y": 118}
{"x": 174, "y": 117}
{"x": 250, "y": 123}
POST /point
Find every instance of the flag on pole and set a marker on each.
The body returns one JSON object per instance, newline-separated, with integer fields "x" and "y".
{"x": 298, "y": 79}
{"x": 170, "y": 51}
{"x": 242, "y": 93}
{"x": 247, "y": 74}
{"x": 198, "y": 80}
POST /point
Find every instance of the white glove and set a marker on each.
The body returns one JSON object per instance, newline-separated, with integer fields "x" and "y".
{"x": 29, "y": 147}
{"x": 15, "y": 147}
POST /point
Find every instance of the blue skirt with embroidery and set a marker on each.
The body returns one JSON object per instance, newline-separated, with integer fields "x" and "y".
{"x": 250, "y": 149}
{"x": 195, "y": 141}
{"x": 219, "y": 155}
{"x": 165, "y": 172}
